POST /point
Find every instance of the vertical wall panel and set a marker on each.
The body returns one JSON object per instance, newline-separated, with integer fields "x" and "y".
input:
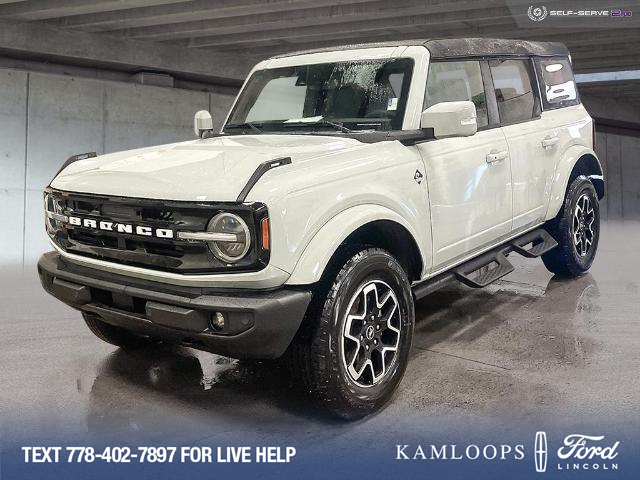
{"x": 139, "y": 115}
{"x": 13, "y": 113}
{"x": 630, "y": 166}
{"x": 65, "y": 118}
{"x": 614, "y": 177}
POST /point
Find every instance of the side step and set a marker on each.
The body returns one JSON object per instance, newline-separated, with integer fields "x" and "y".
{"x": 539, "y": 240}
{"x": 490, "y": 266}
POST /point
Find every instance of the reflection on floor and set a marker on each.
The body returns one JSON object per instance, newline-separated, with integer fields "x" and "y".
{"x": 531, "y": 348}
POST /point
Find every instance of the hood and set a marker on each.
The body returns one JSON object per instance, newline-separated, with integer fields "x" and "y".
{"x": 215, "y": 169}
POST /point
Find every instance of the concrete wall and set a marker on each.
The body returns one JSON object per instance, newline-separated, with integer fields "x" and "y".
{"x": 45, "y": 118}
{"x": 619, "y": 155}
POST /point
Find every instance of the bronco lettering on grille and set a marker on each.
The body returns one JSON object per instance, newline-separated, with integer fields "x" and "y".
{"x": 126, "y": 228}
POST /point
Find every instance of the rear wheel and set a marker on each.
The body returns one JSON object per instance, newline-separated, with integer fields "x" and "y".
{"x": 576, "y": 229}
{"x": 353, "y": 349}
{"x": 114, "y": 335}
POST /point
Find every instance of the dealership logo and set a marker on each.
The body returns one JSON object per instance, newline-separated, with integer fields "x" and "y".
{"x": 580, "y": 452}
{"x": 537, "y": 14}
{"x": 541, "y": 452}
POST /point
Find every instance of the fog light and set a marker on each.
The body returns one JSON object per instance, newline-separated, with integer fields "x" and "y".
{"x": 217, "y": 321}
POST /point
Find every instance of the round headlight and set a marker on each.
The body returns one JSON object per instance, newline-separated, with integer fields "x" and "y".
{"x": 235, "y": 249}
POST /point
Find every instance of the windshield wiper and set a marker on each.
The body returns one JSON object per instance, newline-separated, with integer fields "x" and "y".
{"x": 243, "y": 126}
{"x": 320, "y": 122}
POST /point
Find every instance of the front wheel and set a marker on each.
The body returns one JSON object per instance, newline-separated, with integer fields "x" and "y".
{"x": 576, "y": 229}
{"x": 354, "y": 347}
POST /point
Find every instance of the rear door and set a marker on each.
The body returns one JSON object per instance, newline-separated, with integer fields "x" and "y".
{"x": 532, "y": 142}
{"x": 468, "y": 178}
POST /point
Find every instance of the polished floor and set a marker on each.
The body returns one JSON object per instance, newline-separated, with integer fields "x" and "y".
{"x": 529, "y": 350}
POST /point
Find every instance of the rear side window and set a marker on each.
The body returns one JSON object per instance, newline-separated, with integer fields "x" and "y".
{"x": 456, "y": 81}
{"x": 514, "y": 90}
{"x": 557, "y": 83}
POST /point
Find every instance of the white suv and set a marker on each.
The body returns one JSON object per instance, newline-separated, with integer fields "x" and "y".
{"x": 345, "y": 184}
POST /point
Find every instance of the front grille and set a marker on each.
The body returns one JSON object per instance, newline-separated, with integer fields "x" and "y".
{"x": 172, "y": 255}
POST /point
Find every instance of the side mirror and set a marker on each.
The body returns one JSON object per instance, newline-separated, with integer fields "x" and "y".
{"x": 450, "y": 119}
{"x": 202, "y": 122}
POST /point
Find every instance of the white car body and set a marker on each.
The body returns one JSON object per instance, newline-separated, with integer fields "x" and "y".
{"x": 462, "y": 207}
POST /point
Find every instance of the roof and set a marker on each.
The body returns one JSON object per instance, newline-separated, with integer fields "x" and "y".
{"x": 458, "y": 47}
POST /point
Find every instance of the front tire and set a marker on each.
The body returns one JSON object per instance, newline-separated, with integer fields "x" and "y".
{"x": 576, "y": 229}
{"x": 354, "y": 346}
{"x": 114, "y": 335}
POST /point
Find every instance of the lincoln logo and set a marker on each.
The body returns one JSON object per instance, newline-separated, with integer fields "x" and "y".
{"x": 541, "y": 452}
{"x": 121, "y": 227}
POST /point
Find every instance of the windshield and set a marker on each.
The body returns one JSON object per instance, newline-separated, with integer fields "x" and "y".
{"x": 353, "y": 95}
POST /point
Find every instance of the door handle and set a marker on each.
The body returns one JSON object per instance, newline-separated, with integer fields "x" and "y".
{"x": 493, "y": 156}
{"x": 550, "y": 141}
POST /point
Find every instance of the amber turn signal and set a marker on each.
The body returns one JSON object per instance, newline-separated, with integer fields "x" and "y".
{"x": 264, "y": 228}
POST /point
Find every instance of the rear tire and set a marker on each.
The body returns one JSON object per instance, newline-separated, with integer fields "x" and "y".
{"x": 352, "y": 350}
{"x": 576, "y": 229}
{"x": 114, "y": 335}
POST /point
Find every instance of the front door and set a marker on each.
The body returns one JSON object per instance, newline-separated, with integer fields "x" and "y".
{"x": 469, "y": 178}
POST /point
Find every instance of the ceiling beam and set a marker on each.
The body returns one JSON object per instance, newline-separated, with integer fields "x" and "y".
{"x": 352, "y": 24}
{"x": 571, "y": 38}
{"x": 195, "y": 11}
{"x": 34, "y": 41}
{"x": 43, "y": 9}
{"x": 312, "y": 15}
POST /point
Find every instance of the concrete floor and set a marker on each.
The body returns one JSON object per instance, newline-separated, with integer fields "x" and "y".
{"x": 526, "y": 353}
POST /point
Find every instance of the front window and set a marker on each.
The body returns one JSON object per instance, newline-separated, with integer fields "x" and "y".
{"x": 353, "y": 95}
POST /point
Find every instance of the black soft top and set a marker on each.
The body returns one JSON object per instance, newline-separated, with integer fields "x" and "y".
{"x": 459, "y": 47}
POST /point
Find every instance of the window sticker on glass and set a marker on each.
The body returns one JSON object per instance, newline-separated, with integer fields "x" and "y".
{"x": 392, "y": 103}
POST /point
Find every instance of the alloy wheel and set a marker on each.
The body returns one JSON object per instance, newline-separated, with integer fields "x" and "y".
{"x": 371, "y": 333}
{"x": 582, "y": 225}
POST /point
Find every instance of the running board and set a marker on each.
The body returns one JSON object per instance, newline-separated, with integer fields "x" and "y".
{"x": 540, "y": 240}
{"x": 532, "y": 244}
{"x": 483, "y": 270}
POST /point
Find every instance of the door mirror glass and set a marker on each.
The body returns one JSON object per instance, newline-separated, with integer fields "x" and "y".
{"x": 202, "y": 122}
{"x": 450, "y": 119}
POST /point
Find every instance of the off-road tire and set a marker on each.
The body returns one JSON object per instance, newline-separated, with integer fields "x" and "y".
{"x": 114, "y": 335}
{"x": 565, "y": 260}
{"x": 315, "y": 356}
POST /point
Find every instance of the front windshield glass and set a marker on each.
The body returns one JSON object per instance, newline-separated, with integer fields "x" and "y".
{"x": 353, "y": 95}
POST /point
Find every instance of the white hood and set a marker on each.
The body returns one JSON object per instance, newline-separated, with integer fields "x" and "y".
{"x": 215, "y": 169}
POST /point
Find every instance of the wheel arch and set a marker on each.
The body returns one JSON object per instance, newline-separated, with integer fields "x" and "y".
{"x": 367, "y": 225}
{"x": 577, "y": 161}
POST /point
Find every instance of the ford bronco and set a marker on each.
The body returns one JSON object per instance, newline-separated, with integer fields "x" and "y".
{"x": 345, "y": 184}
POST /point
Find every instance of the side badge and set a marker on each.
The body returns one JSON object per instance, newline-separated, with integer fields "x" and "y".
{"x": 418, "y": 177}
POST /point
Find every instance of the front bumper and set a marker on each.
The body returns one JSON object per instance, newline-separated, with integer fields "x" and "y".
{"x": 258, "y": 324}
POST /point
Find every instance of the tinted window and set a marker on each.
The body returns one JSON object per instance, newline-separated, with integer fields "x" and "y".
{"x": 558, "y": 85}
{"x": 455, "y": 81}
{"x": 514, "y": 90}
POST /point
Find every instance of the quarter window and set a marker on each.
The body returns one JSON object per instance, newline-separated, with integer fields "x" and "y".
{"x": 514, "y": 90}
{"x": 557, "y": 82}
{"x": 456, "y": 81}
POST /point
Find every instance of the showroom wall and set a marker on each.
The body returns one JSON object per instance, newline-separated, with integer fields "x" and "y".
{"x": 46, "y": 118}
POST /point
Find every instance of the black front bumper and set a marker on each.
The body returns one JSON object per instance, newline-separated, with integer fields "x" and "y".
{"x": 258, "y": 324}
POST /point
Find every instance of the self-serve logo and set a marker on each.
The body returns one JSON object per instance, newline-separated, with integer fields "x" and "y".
{"x": 579, "y": 452}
